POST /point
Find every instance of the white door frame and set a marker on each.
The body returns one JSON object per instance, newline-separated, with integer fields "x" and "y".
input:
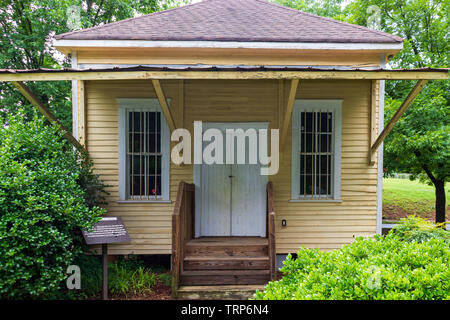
{"x": 197, "y": 175}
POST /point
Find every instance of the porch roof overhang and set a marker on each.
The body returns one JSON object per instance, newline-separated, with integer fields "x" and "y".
{"x": 161, "y": 72}
{"x": 293, "y": 73}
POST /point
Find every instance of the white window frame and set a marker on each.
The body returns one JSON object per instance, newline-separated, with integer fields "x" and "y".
{"x": 147, "y": 105}
{"x": 310, "y": 105}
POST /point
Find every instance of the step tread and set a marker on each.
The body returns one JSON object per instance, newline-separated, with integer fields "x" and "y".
{"x": 225, "y": 258}
{"x": 219, "y": 288}
{"x": 228, "y": 241}
{"x": 224, "y": 272}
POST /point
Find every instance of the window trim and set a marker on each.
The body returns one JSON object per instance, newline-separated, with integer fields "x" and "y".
{"x": 301, "y": 105}
{"x": 149, "y": 105}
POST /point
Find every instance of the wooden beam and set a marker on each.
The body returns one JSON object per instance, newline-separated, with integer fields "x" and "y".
{"x": 34, "y": 100}
{"x": 404, "y": 106}
{"x": 82, "y": 113}
{"x": 288, "y": 112}
{"x": 164, "y": 105}
{"x": 372, "y": 120}
{"x": 289, "y": 75}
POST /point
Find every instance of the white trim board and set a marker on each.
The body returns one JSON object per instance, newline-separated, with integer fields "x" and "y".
{"x": 226, "y": 45}
{"x": 379, "y": 218}
{"x": 312, "y": 105}
{"x": 138, "y": 104}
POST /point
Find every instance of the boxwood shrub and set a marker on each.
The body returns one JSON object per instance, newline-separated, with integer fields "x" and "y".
{"x": 369, "y": 268}
{"x": 42, "y": 207}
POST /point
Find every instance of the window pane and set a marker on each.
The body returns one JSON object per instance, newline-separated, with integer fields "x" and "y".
{"x": 144, "y": 153}
{"x": 315, "y": 153}
{"x": 309, "y": 121}
{"x": 307, "y": 139}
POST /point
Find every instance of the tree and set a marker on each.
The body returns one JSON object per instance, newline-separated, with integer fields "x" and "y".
{"x": 419, "y": 143}
{"x": 27, "y": 28}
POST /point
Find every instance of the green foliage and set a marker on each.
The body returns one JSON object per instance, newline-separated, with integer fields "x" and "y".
{"x": 324, "y": 8}
{"x": 165, "y": 278}
{"x": 42, "y": 208}
{"x": 127, "y": 277}
{"x": 416, "y": 229}
{"x": 420, "y": 141}
{"x": 379, "y": 268}
{"x": 28, "y": 28}
{"x": 421, "y": 138}
{"x": 123, "y": 281}
{"x": 94, "y": 188}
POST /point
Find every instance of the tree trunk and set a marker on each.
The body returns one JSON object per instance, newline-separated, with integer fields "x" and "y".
{"x": 440, "y": 201}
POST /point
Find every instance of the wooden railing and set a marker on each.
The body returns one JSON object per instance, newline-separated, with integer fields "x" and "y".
{"x": 271, "y": 231}
{"x": 182, "y": 229}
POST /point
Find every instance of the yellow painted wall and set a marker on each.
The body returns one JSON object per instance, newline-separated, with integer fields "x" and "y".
{"x": 318, "y": 225}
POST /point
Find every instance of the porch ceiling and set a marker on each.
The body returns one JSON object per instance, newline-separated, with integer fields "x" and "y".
{"x": 222, "y": 72}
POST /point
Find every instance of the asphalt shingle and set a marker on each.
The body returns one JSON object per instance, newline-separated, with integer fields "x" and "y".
{"x": 233, "y": 20}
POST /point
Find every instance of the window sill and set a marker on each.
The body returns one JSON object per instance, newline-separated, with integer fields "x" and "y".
{"x": 144, "y": 201}
{"x": 316, "y": 200}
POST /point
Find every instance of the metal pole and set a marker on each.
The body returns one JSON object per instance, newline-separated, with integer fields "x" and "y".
{"x": 105, "y": 271}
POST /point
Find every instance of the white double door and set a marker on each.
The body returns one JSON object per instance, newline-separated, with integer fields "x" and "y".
{"x": 231, "y": 198}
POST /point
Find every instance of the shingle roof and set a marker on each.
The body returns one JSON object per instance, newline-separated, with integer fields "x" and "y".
{"x": 233, "y": 20}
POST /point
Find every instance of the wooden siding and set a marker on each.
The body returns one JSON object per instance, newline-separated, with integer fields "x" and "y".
{"x": 312, "y": 224}
{"x": 357, "y": 58}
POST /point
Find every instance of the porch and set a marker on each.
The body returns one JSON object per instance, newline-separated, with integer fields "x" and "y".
{"x": 225, "y": 261}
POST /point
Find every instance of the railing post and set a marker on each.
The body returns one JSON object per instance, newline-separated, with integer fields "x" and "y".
{"x": 271, "y": 231}
{"x": 182, "y": 230}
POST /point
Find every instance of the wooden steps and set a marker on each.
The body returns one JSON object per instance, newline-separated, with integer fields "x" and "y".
{"x": 206, "y": 277}
{"x": 226, "y": 261}
{"x": 220, "y": 292}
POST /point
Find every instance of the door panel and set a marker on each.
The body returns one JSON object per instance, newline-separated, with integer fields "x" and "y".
{"x": 216, "y": 211}
{"x": 248, "y": 204}
{"x": 233, "y": 197}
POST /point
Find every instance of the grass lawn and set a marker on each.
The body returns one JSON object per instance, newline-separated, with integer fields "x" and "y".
{"x": 402, "y": 197}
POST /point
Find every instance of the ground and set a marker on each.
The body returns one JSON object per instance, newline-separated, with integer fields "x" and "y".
{"x": 402, "y": 197}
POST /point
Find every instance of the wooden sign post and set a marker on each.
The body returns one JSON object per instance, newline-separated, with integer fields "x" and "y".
{"x": 107, "y": 230}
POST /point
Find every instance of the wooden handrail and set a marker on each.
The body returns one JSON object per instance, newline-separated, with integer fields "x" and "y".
{"x": 271, "y": 231}
{"x": 182, "y": 229}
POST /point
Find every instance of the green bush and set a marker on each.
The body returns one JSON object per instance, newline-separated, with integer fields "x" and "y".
{"x": 372, "y": 268}
{"x": 416, "y": 229}
{"x": 42, "y": 208}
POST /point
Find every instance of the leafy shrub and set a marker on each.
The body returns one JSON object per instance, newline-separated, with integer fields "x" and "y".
{"x": 42, "y": 208}
{"x": 416, "y": 229}
{"x": 372, "y": 268}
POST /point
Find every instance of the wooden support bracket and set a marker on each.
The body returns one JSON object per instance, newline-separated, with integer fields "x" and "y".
{"x": 288, "y": 112}
{"x": 34, "y": 100}
{"x": 164, "y": 105}
{"x": 400, "y": 111}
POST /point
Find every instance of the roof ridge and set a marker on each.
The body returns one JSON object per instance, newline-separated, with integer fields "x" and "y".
{"x": 391, "y": 36}
{"x": 131, "y": 18}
